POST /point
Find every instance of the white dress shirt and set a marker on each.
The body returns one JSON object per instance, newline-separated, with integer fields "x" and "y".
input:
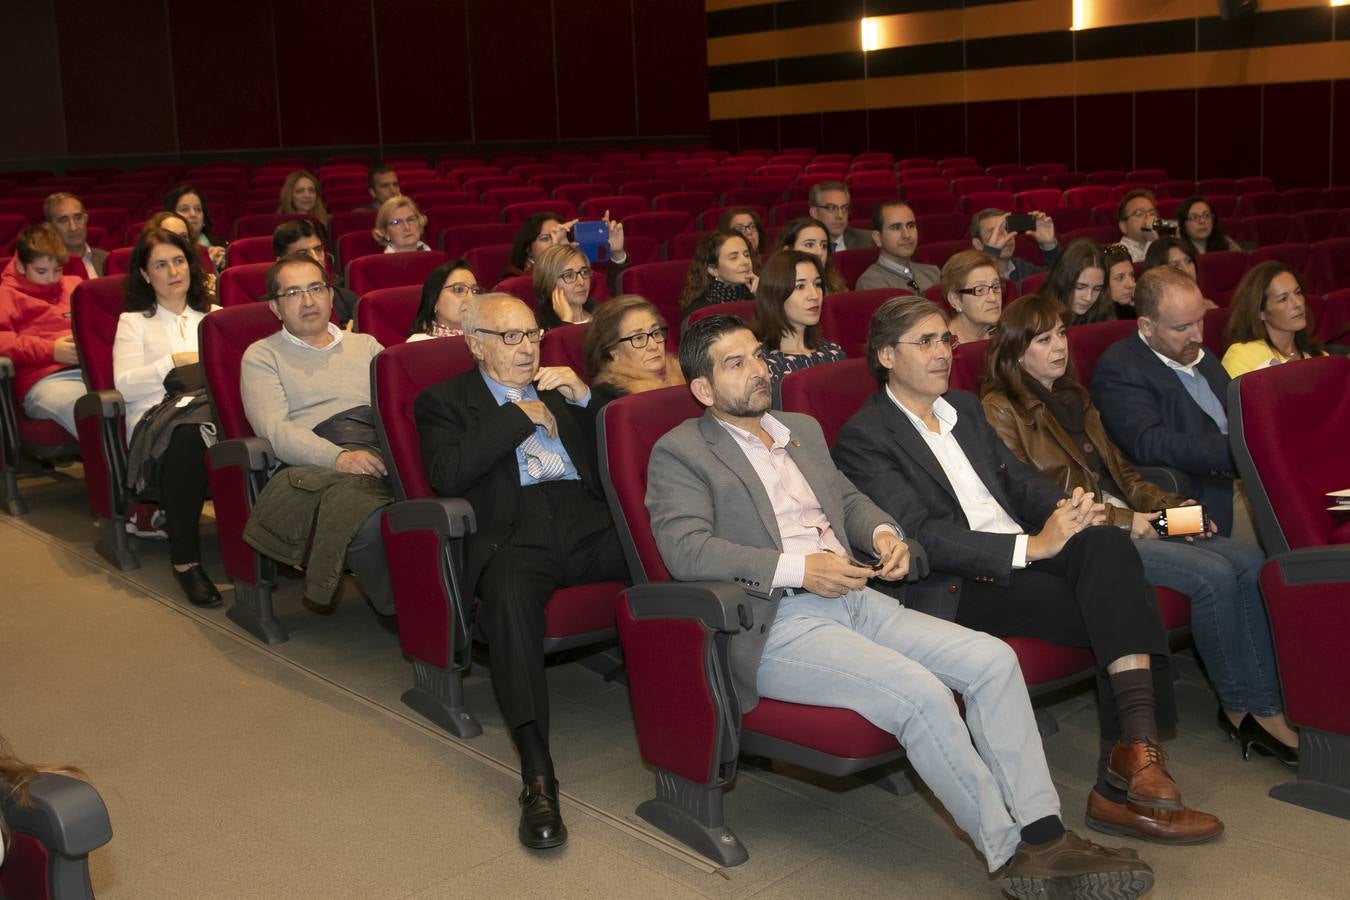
{"x": 333, "y": 331}
{"x": 983, "y": 512}
{"x": 143, "y": 355}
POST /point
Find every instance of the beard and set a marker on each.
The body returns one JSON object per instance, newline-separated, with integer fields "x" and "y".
{"x": 751, "y": 403}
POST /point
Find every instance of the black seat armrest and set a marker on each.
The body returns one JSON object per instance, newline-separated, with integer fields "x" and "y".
{"x": 720, "y": 605}
{"x": 66, "y": 814}
{"x": 450, "y": 517}
{"x": 252, "y": 454}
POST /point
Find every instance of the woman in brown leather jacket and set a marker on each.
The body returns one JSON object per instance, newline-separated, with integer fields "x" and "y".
{"x": 1034, "y": 402}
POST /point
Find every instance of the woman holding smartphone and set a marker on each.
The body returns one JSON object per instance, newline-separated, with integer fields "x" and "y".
{"x": 1034, "y": 402}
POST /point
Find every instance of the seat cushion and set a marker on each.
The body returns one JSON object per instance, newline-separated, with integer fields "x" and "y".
{"x": 582, "y": 609}
{"x": 838, "y": 732}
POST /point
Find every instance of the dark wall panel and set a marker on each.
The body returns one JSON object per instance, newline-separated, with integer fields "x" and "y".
{"x": 116, "y": 78}
{"x": 32, "y": 47}
{"x": 761, "y": 131}
{"x": 333, "y": 102}
{"x": 1046, "y": 130}
{"x": 805, "y": 130}
{"x": 1296, "y": 134}
{"x": 424, "y": 71}
{"x": 670, "y": 45}
{"x": 892, "y": 129}
{"x": 941, "y": 130}
{"x": 209, "y": 57}
{"x": 843, "y": 132}
{"x": 1164, "y": 133}
{"x": 514, "y": 88}
{"x": 596, "y": 96}
{"x": 1340, "y": 159}
{"x": 992, "y": 127}
{"x": 1104, "y": 126}
{"x": 1228, "y": 142}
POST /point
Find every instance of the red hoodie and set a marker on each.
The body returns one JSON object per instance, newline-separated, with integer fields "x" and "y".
{"x": 32, "y": 317}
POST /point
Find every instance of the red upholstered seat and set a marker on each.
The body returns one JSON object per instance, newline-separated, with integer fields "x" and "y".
{"x": 562, "y": 347}
{"x": 505, "y": 196}
{"x": 691, "y": 202}
{"x": 1219, "y": 273}
{"x": 649, "y": 188}
{"x": 243, "y": 284}
{"x": 1000, "y": 170}
{"x": 263, "y": 224}
{"x": 1150, "y": 176}
{"x": 357, "y": 243}
{"x": 974, "y": 184}
{"x": 660, "y": 283}
{"x": 660, "y": 226}
{"x": 1065, "y": 180}
{"x": 578, "y": 193}
{"x": 936, "y": 253}
{"x": 386, "y": 314}
{"x": 1087, "y": 195}
{"x": 974, "y": 202}
{"x": 920, "y": 187}
{"x": 1088, "y": 342}
{"x": 1044, "y": 199}
{"x": 519, "y": 212}
{"x": 488, "y": 263}
{"x": 844, "y": 318}
{"x": 1268, "y": 228}
{"x": 1212, "y": 187}
{"x": 1295, "y": 256}
{"x": 244, "y": 251}
{"x": 1018, "y": 183}
{"x": 952, "y": 226}
{"x": 1032, "y": 283}
{"x": 968, "y": 365}
{"x": 924, "y": 204}
{"x": 1070, "y": 218}
{"x": 1329, "y": 265}
{"x": 852, "y": 263}
{"x": 1047, "y": 168}
{"x": 1174, "y": 189}
{"x": 392, "y": 269}
{"x": 1106, "y": 177}
{"x": 619, "y": 206}
{"x": 1315, "y": 224}
{"x": 457, "y": 240}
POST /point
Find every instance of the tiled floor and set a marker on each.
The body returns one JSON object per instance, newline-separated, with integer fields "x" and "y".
{"x": 235, "y": 770}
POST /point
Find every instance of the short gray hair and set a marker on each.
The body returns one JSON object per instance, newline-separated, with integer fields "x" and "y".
{"x": 895, "y": 317}
{"x": 480, "y": 303}
{"x": 822, "y": 187}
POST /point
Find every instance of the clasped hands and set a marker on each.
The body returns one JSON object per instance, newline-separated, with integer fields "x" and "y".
{"x": 831, "y": 575}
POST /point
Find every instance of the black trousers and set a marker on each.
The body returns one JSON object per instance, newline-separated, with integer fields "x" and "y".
{"x": 1092, "y": 594}
{"x": 564, "y": 537}
{"x": 183, "y": 491}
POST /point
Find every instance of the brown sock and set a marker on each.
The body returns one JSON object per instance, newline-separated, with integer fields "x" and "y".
{"x": 1135, "y": 710}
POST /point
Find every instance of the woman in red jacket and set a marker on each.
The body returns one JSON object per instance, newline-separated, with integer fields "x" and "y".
{"x": 35, "y": 327}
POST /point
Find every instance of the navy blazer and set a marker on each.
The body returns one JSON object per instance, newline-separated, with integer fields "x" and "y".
{"x": 1152, "y": 418}
{"x": 880, "y": 450}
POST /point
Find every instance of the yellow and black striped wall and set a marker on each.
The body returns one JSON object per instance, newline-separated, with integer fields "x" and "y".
{"x": 1092, "y": 83}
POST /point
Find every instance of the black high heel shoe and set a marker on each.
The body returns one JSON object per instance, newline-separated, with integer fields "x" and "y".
{"x": 1255, "y": 737}
{"x": 1227, "y": 726}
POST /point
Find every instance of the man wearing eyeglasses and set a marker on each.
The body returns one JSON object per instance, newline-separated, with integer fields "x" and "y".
{"x": 896, "y": 232}
{"x": 302, "y": 236}
{"x": 65, "y": 213}
{"x": 1137, "y": 215}
{"x": 989, "y": 233}
{"x": 306, "y": 389}
{"x": 1013, "y": 556}
{"x": 830, "y": 206}
{"x": 517, "y": 442}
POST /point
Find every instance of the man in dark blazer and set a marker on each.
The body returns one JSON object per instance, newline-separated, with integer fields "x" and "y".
{"x": 1012, "y": 556}
{"x": 751, "y": 497}
{"x": 1163, "y": 399}
{"x": 515, "y": 441}
{"x": 66, "y": 213}
{"x": 830, "y": 205}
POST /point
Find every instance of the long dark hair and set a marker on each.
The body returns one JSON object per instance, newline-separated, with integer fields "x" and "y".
{"x": 171, "y": 205}
{"x": 1064, "y": 274}
{"x": 705, "y": 257}
{"x": 1217, "y": 239}
{"x": 834, "y": 282}
{"x": 431, "y": 293}
{"x": 140, "y": 296}
{"x": 1022, "y": 322}
{"x": 776, "y": 284}
{"x": 1156, "y": 255}
{"x": 1249, "y": 301}
{"x": 525, "y": 235}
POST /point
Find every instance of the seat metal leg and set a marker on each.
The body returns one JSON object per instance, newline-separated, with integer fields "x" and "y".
{"x": 438, "y": 694}
{"x": 13, "y": 502}
{"x": 114, "y": 544}
{"x": 1045, "y": 721}
{"x": 1323, "y": 781}
{"x": 252, "y": 611}
{"x": 693, "y": 814}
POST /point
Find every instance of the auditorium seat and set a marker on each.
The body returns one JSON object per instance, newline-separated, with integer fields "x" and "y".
{"x": 660, "y": 283}
{"x": 1267, "y": 228}
{"x": 51, "y": 837}
{"x": 1258, "y": 203}
{"x": 936, "y": 253}
{"x": 1069, "y": 218}
{"x": 1174, "y": 189}
{"x": 1329, "y": 265}
{"x": 423, "y": 537}
{"x": 1315, "y": 224}
{"x": 24, "y": 440}
{"x": 683, "y": 245}
{"x": 952, "y": 226}
{"x": 968, "y": 365}
{"x": 519, "y": 286}
{"x": 1218, "y": 274}
{"x": 1088, "y": 342}
{"x": 1025, "y": 181}
{"x": 459, "y": 239}
{"x": 933, "y": 204}
{"x": 1002, "y": 170}
{"x": 884, "y": 177}
{"x": 506, "y": 195}
{"x": 974, "y": 184}
{"x": 1216, "y": 187}
{"x": 1065, "y": 180}
{"x": 242, "y": 284}
{"x": 1255, "y": 183}
{"x": 619, "y": 206}
{"x": 1296, "y": 200}
{"x": 1045, "y": 200}
{"x": 386, "y": 314}
{"x": 355, "y": 244}
{"x": 844, "y": 318}
{"x": 1106, "y": 177}
{"x": 488, "y": 262}
{"x": 786, "y": 211}
{"x": 850, "y": 264}
{"x": 482, "y": 184}
{"x": 577, "y": 194}
{"x": 1102, "y": 234}
{"x": 244, "y": 251}
{"x": 649, "y": 188}
{"x": 675, "y": 636}
{"x": 392, "y": 269}
{"x": 915, "y": 162}
{"x": 515, "y": 213}
{"x": 1293, "y": 255}
{"x": 922, "y": 187}
{"x": 1289, "y": 426}
{"x": 1044, "y": 169}
{"x": 1147, "y": 176}
{"x": 743, "y": 309}
{"x": 708, "y": 218}
{"x": 263, "y": 224}
{"x": 1032, "y": 283}
{"x": 660, "y": 226}
{"x": 691, "y": 202}
{"x": 1087, "y": 195}
{"x": 1336, "y": 197}
{"x": 562, "y": 346}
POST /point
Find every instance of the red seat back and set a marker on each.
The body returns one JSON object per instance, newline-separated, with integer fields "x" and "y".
{"x": 1268, "y": 228}
{"x": 1106, "y": 177}
{"x": 852, "y": 263}
{"x": 1295, "y": 256}
{"x": 263, "y": 224}
{"x": 974, "y": 184}
{"x": 660, "y": 283}
{"x": 1088, "y": 342}
{"x": 920, "y": 187}
{"x": 386, "y": 314}
{"x": 691, "y": 202}
{"x": 355, "y": 244}
{"x": 830, "y": 394}
{"x": 245, "y": 284}
{"x": 1087, "y": 195}
{"x": 519, "y": 212}
{"x": 367, "y": 273}
{"x": 968, "y": 365}
{"x": 1329, "y": 265}
{"x": 95, "y": 307}
{"x": 743, "y": 309}
{"x": 223, "y": 338}
{"x": 845, "y": 318}
{"x": 1016, "y": 184}
{"x": 488, "y": 263}
{"x": 458, "y": 240}
{"x": 1219, "y": 273}
{"x": 619, "y": 206}
{"x": 1315, "y": 224}
{"x": 505, "y": 196}
{"x": 245, "y": 251}
{"x": 660, "y": 226}
{"x": 1042, "y": 199}
{"x": 562, "y": 347}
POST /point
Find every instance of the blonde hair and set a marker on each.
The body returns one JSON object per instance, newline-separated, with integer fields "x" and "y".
{"x": 319, "y": 212}
{"x": 387, "y": 212}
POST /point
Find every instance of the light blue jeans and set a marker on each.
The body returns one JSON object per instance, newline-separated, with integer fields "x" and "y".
{"x": 1228, "y": 617}
{"x": 53, "y": 397}
{"x": 897, "y": 668}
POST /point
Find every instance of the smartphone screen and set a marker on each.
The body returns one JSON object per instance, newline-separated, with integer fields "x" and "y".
{"x": 1021, "y": 222}
{"x": 1179, "y": 521}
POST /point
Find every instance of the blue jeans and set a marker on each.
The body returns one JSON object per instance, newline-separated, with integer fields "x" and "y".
{"x": 897, "y": 668}
{"x": 1228, "y": 617}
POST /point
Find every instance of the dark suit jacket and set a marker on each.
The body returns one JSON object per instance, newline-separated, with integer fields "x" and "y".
{"x": 469, "y": 450}
{"x": 889, "y": 461}
{"x": 1151, "y": 417}
{"x": 858, "y": 239}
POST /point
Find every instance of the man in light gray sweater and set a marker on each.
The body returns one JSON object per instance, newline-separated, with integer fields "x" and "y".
{"x": 302, "y": 376}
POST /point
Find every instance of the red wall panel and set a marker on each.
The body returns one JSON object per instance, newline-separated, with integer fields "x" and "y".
{"x": 422, "y": 55}
{"x": 32, "y": 47}
{"x": 843, "y": 132}
{"x": 1104, "y": 125}
{"x": 761, "y": 131}
{"x": 941, "y": 130}
{"x": 806, "y": 130}
{"x": 992, "y": 127}
{"x": 1296, "y": 134}
{"x": 596, "y": 95}
{"x": 1340, "y": 135}
{"x": 670, "y": 45}
{"x": 116, "y": 77}
{"x": 325, "y": 61}
{"x": 1228, "y": 125}
{"x": 224, "y": 77}
{"x": 514, "y": 88}
{"x": 892, "y": 129}
{"x": 1164, "y": 134}
{"x": 1046, "y": 130}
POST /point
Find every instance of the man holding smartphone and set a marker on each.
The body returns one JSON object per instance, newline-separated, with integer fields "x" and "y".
{"x": 995, "y": 231}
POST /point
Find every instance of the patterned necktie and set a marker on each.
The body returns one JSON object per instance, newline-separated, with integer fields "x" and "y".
{"x": 541, "y": 462}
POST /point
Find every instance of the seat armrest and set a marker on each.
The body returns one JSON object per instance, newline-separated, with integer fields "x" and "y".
{"x": 1314, "y": 565}
{"x": 9, "y": 426}
{"x": 720, "y": 605}
{"x": 66, "y": 814}
{"x": 450, "y": 517}
{"x": 252, "y": 454}
{"x": 101, "y": 404}
{"x": 1173, "y": 480}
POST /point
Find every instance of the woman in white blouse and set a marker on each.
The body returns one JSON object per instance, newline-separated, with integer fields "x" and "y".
{"x": 166, "y": 299}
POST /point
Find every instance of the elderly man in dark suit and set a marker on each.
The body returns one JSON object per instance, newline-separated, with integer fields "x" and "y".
{"x": 1013, "y": 556}
{"x": 1163, "y": 399}
{"x": 515, "y": 441}
{"x": 751, "y": 497}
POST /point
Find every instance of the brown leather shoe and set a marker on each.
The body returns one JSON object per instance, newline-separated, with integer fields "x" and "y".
{"x": 1139, "y": 768}
{"x": 1071, "y": 867}
{"x": 1161, "y": 826}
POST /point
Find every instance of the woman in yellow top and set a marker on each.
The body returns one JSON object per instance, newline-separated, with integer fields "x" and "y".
{"x": 1269, "y": 323}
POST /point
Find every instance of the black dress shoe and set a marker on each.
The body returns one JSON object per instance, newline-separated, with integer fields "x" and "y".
{"x": 1226, "y": 724}
{"x": 197, "y": 587}
{"x": 541, "y": 824}
{"x": 1254, "y": 737}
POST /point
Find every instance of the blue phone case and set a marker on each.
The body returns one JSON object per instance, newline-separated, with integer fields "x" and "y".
{"x": 592, "y": 238}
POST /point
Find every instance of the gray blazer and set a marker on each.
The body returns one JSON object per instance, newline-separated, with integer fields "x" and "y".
{"x": 713, "y": 520}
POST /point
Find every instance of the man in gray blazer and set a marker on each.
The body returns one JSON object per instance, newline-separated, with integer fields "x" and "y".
{"x": 749, "y": 497}
{"x": 896, "y": 233}
{"x": 830, "y": 206}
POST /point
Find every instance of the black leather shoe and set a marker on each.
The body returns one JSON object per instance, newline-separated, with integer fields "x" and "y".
{"x": 1254, "y": 737}
{"x": 541, "y": 824}
{"x": 1227, "y": 726}
{"x": 197, "y": 587}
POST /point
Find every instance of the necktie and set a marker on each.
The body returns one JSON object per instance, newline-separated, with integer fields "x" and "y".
{"x": 541, "y": 462}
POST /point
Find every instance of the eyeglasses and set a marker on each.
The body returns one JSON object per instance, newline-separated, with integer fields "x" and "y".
{"x": 73, "y": 219}
{"x": 406, "y": 220}
{"x": 980, "y": 290}
{"x": 640, "y": 339}
{"x": 1149, "y": 213}
{"x": 460, "y": 289}
{"x": 929, "y": 342}
{"x": 515, "y": 336}
{"x": 1200, "y": 217}
{"x": 833, "y": 209}
{"x": 570, "y": 276}
{"x": 743, "y": 229}
{"x": 318, "y": 290}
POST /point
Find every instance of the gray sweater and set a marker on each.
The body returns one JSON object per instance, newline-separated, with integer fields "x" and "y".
{"x": 289, "y": 389}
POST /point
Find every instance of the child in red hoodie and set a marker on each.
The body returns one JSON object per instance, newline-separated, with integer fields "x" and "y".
{"x": 35, "y": 327}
